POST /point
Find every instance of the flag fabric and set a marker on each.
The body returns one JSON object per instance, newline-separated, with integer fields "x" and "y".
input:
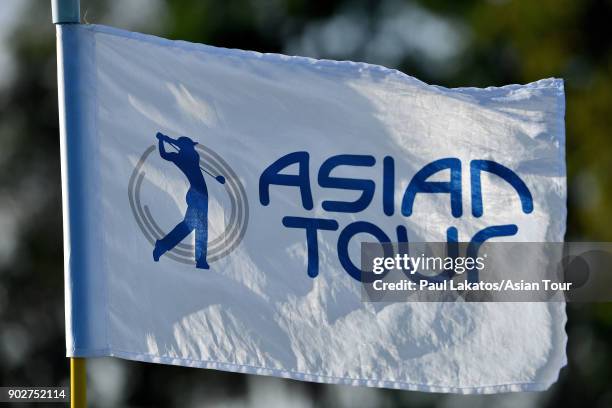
{"x": 215, "y": 201}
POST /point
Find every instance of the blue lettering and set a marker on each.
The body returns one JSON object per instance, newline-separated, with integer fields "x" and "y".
{"x": 484, "y": 235}
{"x": 478, "y": 166}
{"x": 302, "y": 180}
{"x": 311, "y": 225}
{"x": 365, "y": 186}
{"x": 388, "y": 192}
{"x": 419, "y": 184}
{"x": 343, "y": 246}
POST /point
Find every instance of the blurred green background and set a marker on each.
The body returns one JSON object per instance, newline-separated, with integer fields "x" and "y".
{"x": 450, "y": 43}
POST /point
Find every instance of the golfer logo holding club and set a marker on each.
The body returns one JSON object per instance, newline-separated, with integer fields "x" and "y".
{"x": 196, "y": 162}
{"x": 187, "y": 159}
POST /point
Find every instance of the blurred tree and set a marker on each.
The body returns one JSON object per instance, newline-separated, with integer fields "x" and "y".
{"x": 468, "y": 43}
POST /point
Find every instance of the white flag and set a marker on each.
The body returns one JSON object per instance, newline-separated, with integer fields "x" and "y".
{"x": 215, "y": 201}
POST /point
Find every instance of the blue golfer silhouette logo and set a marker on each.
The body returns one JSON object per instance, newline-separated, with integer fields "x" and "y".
{"x": 187, "y": 159}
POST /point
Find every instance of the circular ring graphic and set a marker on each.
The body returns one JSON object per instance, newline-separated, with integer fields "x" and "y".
{"x": 223, "y": 244}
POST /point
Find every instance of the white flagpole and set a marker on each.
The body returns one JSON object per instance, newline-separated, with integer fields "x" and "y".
{"x": 68, "y": 12}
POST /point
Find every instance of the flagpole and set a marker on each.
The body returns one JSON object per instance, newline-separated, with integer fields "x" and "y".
{"x": 66, "y": 11}
{"x": 78, "y": 383}
{"x": 69, "y": 12}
